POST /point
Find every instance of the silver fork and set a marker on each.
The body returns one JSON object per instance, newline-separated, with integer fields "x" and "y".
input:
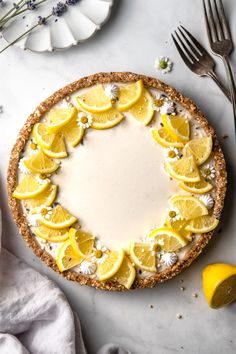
{"x": 196, "y": 57}
{"x": 220, "y": 39}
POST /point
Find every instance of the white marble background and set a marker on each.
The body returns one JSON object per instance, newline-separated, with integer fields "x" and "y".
{"x": 143, "y": 321}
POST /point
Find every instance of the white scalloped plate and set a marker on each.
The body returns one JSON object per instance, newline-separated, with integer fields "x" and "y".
{"x": 79, "y": 23}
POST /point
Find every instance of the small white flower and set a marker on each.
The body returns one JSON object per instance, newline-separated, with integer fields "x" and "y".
{"x": 34, "y": 219}
{"x": 87, "y": 267}
{"x": 207, "y": 200}
{"x": 112, "y": 91}
{"x": 208, "y": 172}
{"x": 172, "y": 153}
{"x": 34, "y": 148}
{"x": 173, "y": 214}
{"x": 23, "y": 169}
{"x": 169, "y": 259}
{"x": 169, "y": 107}
{"x": 42, "y": 211}
{"x": 158, "y": 102}
{"x": 99, "y": 254}
{"x": 42, "y": 180}
{"x": 84, "y": 120}
{"x": 163, "y": 64}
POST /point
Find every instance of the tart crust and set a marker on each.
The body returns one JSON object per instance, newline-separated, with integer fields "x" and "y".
{"x": 149, "y": 82}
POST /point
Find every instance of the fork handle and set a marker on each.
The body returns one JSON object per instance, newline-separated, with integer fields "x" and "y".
{"x": 232, "y": 85}
{"x": 219, "y": 83}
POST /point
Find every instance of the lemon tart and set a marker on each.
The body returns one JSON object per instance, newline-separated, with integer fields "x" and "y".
{"x": 117, "y": 181}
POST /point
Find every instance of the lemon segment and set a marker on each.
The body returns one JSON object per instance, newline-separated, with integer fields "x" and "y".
{"x": 188, "y": 206}
{"x": 143, "y": 110}
{"x": 51, "y": 235}
{"x": 81, "y": 242}
{"x": 30, "y": 187}
{"x": 66, "y": 258}
{"x": 143, "y": 256}
{"x": 163, "y": 138}
{"x": 129, "y": 95}
{"x": 168, "y": 239}
{"x": 45, "y": 198}
{"x": 177, "y": 127}
{"x": 202, "y": 224}
{"x": 126, "y": 274}
{"x": 200, "y": 187}
{"x": 59, "y": 219}
{"x": 94, "y": 101}
{"x": 58, "y": 147}
{"x": 40, "y": 163}
{"x": 40, "y": 133}
{"x": 111, "y": 265}
{"x": 219, "y": 284}
{"x": 200, "y": 149}
{"x": 59, "y": 117}
{"x": 73, "y": 133}
{"x": 180, "y": 227}
{"x": 183, "y": 169}
{"x": 106, "y": 119}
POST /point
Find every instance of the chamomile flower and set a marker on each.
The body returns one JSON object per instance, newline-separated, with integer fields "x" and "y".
{"x": 158, "y": 102}
{"x": 22, "y": 167}
{"x": 84, "y": 120}
{"x": 169, "y": 107}
{"x": 163, "y": 64}
{"x": 172, "y": 153}
{"x": 173, "y": 214}
{"x": 33, "y": 146}
{"x": 99, "y": 254}
{"x": 208, "y": 172}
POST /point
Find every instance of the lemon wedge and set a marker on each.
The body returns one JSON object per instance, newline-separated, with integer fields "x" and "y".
{"x": 111, "y": 265}
{"x": 40, "y": 133}
{"x": 163, "y": 138}
{"x": 183, "y": 169}
{"x": 177, "y": 127}
{"x": 202, "y": 224}
{"x": 58, "y": 147}
{"x": 107, "y": 119}
{"x": 94, "y": 100}
{"x": 73, "y": 133}
{"x": 29, "y": 187}
{"x": 126, "y": 274}
{"x": 179, "y": 226}
{"x": 45, "y": 198}
{"x": 59, "y": 117}
{"x": 200, "y": 149}
{"x": 81, "y": 242}
{"x": 129, "y": 95}
{"x": 219, "y": 284}
{"x": 59, "y": 219}
{"x": 51, "y": 235}
{"x": 188, "y": 206}
{"x": 143, "y": 110}
{"x": 200, "y": 187}
{"x": 143, "y": 256}
{"x": 168, "y": 239}
{"x": 66, "y": 258}
{"x": 40, "y": 163}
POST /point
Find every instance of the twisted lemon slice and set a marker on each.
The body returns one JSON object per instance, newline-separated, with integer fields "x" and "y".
{"x": 126, "y": 274}
{"x": 143, "y": 256}
{"x": 163, "y": 138}
{"x": 45, "y": 198}
{"x": 59, "y": 219}
{"x": 111, "y": 264}
{"x": 59, "y": 117}
{"x": 143, "y": 110}
{"x": 183, "y": 169}
{"x": 202, "y": 224}
{"x": 66, "y": 258}
{"x": 81, "y": 242}
{"x": 129, "y": 95}
{"x": 30, "y": 187}
{"x": 40, "y": 163}
{"x": 51, "y": 235}
{"x": 168, "y": 239}
{"x": 188, "y": 206}
{"x": 41, "y": 135}
{"x": 200, "y": 187}
{"x": 177, "y": 127}
{"x": 200, "y": 149}
{"x": 94, "y": 100}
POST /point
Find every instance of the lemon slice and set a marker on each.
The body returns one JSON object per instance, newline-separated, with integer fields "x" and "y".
{"x": 40, "y": 163}
{"x": 81, "y": 242}
{"x": 59, "y": 117}
{"x": 51, "y": 235}
{"x": 73, "y": 133}
{"x": 143, "y": 256}
{"x": 126, "y": 274}
{"x": 202, "y": 224}
{"x": 180, "y": 227}
{"x": 40, "y": 133}
{"x": 143, "y": 110}
{"x": 30, "y": 187}
{"x": 168, "y": 239}
{"x": 58, "y": 147}
{"x": 163, "y": 138}
{"x": 94, "y": 101}
{"x": 200, "y": 187}
{"x": 183, "y": 169}
{"x": 200, "y": 149}
{"x": 45, "y": 198}
{"x": 111, "y": 265}
{"x": 219, "y": 284}
{"x": 189, "y": 207}
{"x": 107, "y": 119}
{"x": 177, "y": 127}
{"x": 66, "y": 258}
{"x": 129, "y": 95}
{"x": 59, "y": 219}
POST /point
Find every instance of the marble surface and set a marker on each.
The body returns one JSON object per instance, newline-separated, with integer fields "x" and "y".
{"x": 143, "y": 321}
